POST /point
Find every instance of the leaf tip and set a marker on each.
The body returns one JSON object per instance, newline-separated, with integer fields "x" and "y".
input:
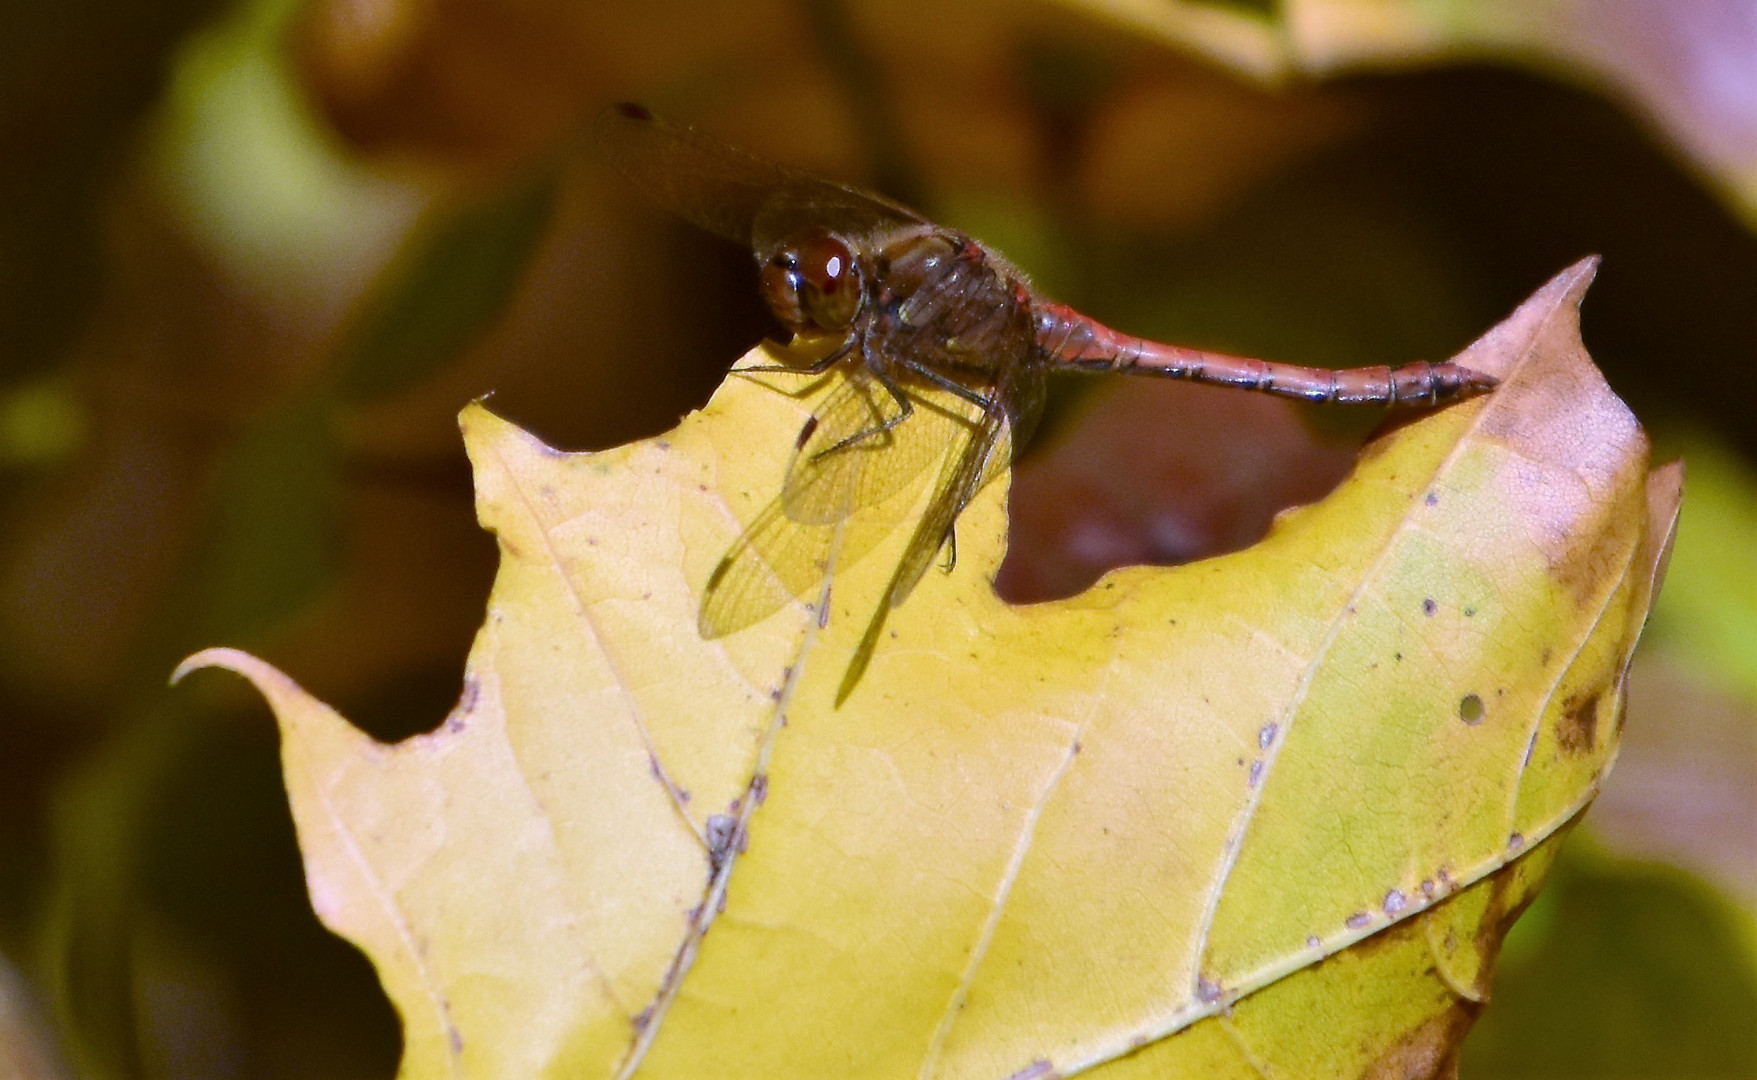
{"x": 1574, "y": 280}
{"x": 476, "y": 415}
{"x": 269, "y": 680}
{"x": 235, "y": 660}
{"x": 484, "y": 430}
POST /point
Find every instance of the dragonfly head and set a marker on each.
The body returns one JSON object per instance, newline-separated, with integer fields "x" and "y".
{"x": 812, "y": 282}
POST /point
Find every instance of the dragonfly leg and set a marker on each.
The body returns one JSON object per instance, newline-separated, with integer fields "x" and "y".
{"x": 816, "y": 367}
{"x": 905, "y": 409}
{"x": 986, "y": 404}
{"x": 951, "y": 545}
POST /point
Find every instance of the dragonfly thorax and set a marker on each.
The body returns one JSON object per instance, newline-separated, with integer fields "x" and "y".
{"x": 812, "y": 282}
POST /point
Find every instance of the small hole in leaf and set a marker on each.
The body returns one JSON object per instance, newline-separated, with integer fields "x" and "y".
{"x": 1470, "y": 710}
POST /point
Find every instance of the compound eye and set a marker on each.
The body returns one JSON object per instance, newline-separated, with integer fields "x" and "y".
{"x": 782, "y": 289}
{"x": 831, "y": 293}
{"x": 812, "y": 282}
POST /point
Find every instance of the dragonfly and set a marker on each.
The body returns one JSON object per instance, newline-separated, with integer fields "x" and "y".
{"x": 942, "y": 349}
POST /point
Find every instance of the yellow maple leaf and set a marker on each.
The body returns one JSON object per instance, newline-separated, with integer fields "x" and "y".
{"x": 1269, "y": 811}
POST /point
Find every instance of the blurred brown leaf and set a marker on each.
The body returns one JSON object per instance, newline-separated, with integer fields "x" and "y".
{"x": 1208, "y": 470}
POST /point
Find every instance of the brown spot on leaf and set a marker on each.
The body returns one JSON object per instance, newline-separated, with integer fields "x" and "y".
{"x": 1592, "y": 563}
{"x": 1498, "y": 917}
{"x": 1428, "y": 1051}
{"x": 1577, "y": 730}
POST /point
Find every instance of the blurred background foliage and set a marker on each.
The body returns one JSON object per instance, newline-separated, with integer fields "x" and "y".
{"x": 255, "y": 255}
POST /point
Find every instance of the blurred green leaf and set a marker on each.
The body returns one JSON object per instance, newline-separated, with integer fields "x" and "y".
{"x": 40, "y": 422}
{"x": 273, "y": 541}
{"x": 259, "y": 178}
{"x": 271, "y": 544}
{"x": 446, "y": 290}
{"x": 1621, "y": 969}
{"x": 1706, "y": 618}
{"x": 88, "y": 935}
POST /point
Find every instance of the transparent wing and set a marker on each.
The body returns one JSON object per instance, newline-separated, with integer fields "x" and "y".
{"x": 729, "y": 192}
{"x": 777, "y": 560}
{"x": 841, "y": 503}
{"x": 977, "y": 457}
{"x": 849, "y": 458}
{"x": 981, "y": 452}
{"x": 835, "y": 507}
{"x": 774, "y": 561}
